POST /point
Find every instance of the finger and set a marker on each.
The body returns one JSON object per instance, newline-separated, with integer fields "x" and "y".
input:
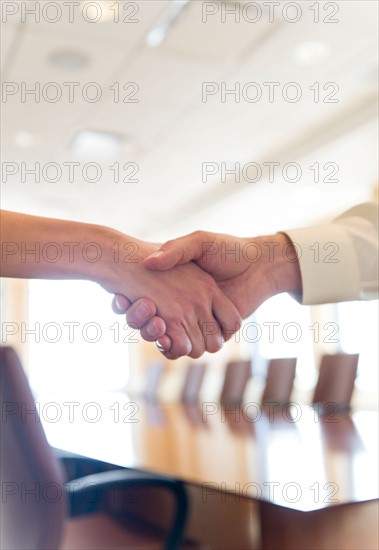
{"x": 120, "y": 304}
{"x": 165, "y": 343}
{"x": 193, "y": 328}
{"x": 212, "y": 335}
{"x": 140, "y": 312}
{"x": 181, "y": 343}
{"x": 154, "y": 329}
{"x": 198, "y": 341}
{"x": 201, "y": 337}
{"x": 176, "y": 252}
{"x": 227, "y": 315}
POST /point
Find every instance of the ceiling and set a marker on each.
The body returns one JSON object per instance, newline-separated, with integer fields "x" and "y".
{"x": 172, "y": 133}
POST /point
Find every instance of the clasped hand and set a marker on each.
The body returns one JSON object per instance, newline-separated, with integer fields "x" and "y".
{"x": 180, "y": 304}
{"x": 202, "y": 305}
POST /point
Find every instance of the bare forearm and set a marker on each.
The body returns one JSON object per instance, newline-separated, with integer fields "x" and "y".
{"x": 186, "y": 298}
{"x": 37, "y": 247}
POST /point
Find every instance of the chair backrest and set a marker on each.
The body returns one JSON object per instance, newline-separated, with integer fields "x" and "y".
{"x": 192, "y": 383}
{"x": 336, "y": 378}
{"x": 33, "y": 501}
{"x": 339, "y": 433}
{"x": 237, "y": 374}
{"x": 154, "y": 373}
{"x": 279, "y": 380}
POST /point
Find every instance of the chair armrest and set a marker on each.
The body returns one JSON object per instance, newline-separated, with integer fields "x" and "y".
{"x": 77, "y": 466}
{"x": 85, "y": 495}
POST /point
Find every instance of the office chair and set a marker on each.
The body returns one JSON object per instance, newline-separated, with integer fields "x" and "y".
{"x": 335, "y": 382}
{"x": 279, "y": 381}
{"x": 189, "y": 397}
{"x": 237, "y": 374}
{"x": 192, "y": 383}
{"x": 154, "y": 374}
{"x": 36, "y": 499}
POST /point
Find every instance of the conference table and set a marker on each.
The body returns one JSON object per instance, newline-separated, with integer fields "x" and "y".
{"x": 306, "y": 470}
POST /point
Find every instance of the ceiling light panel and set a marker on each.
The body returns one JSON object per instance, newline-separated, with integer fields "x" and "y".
{"x": 122, "y": 22}
{"x": 93, "y": 144}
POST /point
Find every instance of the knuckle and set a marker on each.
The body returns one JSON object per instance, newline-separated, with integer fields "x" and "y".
{"x": 132, "y": 322}
{"x": 196, "y": 353}
{"x": 199, "y": 235}
{"x": 214, "y": 345}
{"x": 182, "y": 350}
{"x": 174, "y": 321}
{"x": 231, "y": 328}
{"x": 193, "y": 311}
{"x": 238, "y": 322}
{"x": 132, "y": 319}
{"x": 149, "y": 336}
{"x": 168, "y": 244}
{"x": 145, "y": 335}
{"x": 202, "y": 301}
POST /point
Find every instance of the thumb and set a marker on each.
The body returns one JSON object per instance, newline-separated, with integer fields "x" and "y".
{"x": 176, "y": 252}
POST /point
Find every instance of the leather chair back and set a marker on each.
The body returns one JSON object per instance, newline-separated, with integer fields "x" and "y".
{"x": 33, "y": 500}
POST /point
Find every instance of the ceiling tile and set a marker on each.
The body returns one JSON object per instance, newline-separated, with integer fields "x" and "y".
{"x": 204, "y": 36}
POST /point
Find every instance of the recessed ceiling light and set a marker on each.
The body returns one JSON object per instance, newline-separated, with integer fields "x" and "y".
{"x": 101, "y": 10}
{"x": 165, "y": 22}
{"x": 96, "y": 145}
{"x": 69, "y": 60}
{"x": 311, "y": 53}
{"x": 155, "y": 37}
{"x": 24, "y": 139}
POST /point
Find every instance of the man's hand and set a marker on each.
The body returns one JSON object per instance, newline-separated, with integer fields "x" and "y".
{"x": 249, "y": 271}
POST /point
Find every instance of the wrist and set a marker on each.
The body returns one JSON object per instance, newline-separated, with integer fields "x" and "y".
{"x": 122, "y": 261}
{"x": 281, "y": 264}
{"x": 97, "y": 262}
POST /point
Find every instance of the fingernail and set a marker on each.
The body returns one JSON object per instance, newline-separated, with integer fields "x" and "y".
{"x": 155, "y": 254}
{"x": 118, "y": 304}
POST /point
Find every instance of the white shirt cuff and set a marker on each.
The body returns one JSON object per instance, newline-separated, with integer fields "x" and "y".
{"x": 328, "y": 264}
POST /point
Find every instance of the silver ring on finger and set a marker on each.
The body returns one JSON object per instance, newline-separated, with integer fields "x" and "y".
{"x": 160, "y": 347}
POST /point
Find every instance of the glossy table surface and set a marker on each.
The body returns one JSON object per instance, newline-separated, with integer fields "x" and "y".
{"x": 291, "y": 457}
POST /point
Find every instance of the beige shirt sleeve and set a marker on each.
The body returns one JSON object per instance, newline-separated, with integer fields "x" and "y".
{"x": 339, "y": 260}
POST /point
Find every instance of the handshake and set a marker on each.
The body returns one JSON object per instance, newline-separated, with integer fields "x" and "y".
{"x": 190, "y": 294}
